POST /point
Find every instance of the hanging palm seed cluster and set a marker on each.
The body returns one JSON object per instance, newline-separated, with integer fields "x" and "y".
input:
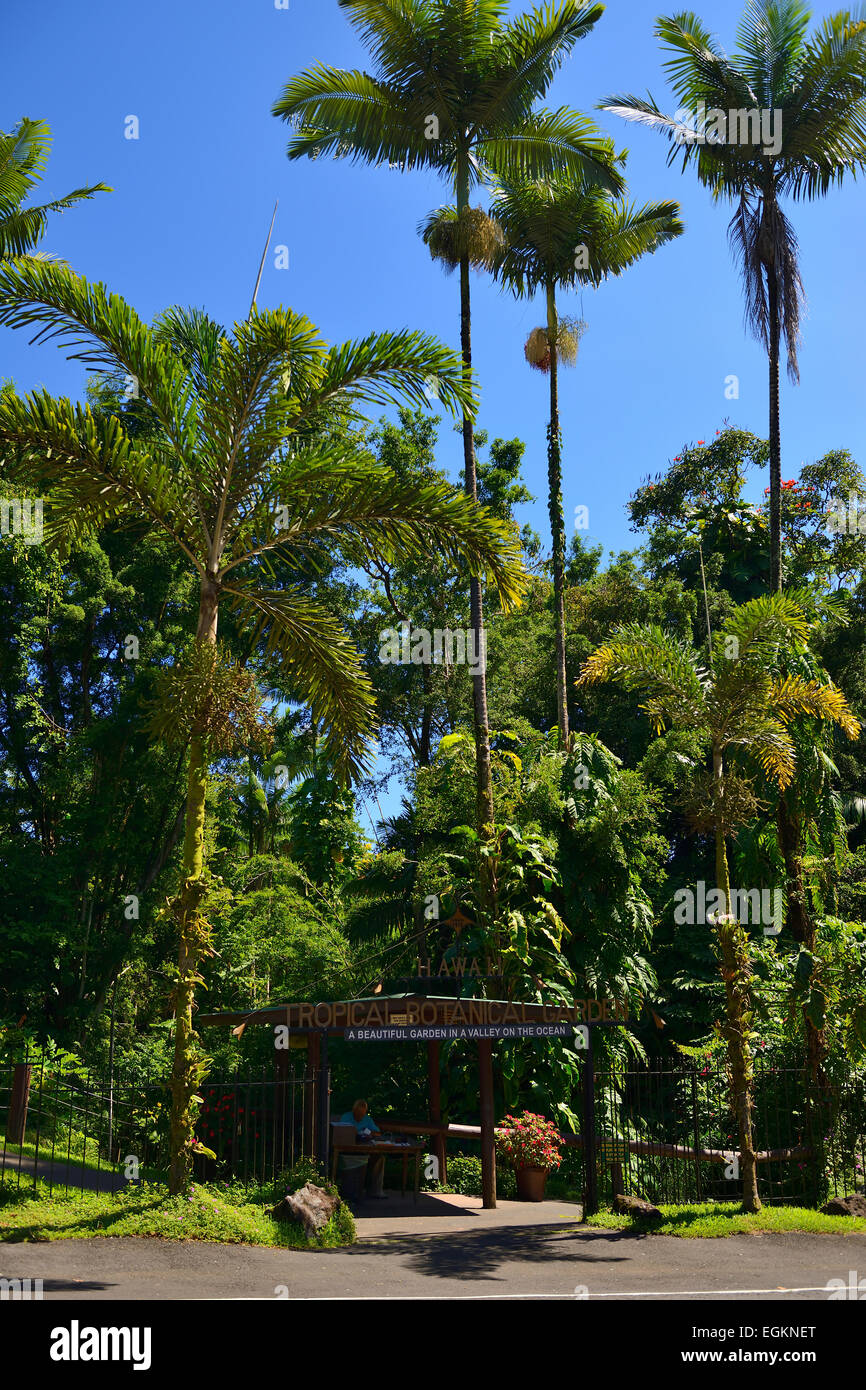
{"x": 568, "y": 336}
{"x": 207, "y": 693}
{"x": 474, "y": 234}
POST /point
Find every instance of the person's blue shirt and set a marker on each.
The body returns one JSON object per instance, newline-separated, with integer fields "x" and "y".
{"x": 362, "y": 1126}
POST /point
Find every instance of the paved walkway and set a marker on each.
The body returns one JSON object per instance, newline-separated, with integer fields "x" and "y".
{"x": 441, "y": 1214}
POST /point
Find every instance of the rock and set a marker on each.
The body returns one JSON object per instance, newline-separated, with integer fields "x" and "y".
{"x": 854, "y": 1205}
{"x": 636, "y": 1206}
{"x": 311, "y": 1206}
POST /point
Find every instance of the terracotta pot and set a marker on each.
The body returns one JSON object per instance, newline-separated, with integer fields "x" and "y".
{"x": 530, "y": 1184}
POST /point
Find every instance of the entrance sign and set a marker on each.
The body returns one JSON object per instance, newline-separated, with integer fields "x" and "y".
{"x": 450, "y": 1033}
{"x": 356, "y": 1016}
{"x": 422, "y": 1018}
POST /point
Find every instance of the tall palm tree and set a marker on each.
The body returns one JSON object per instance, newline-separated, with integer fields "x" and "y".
{"x": 562, "y": 234}
{"x": 812, "y": 91}
{"x": 454, "y": 89}
{"x": 243, "y": 481}
{"x": 23, "y": 157}
{"x": 743, "y": 710}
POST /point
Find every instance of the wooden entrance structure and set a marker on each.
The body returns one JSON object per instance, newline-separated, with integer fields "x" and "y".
{"x": 411, "y": 1018}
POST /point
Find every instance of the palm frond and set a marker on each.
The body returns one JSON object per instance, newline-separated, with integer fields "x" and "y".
{"x": 318, "y": 664}
{"x": 98, "y": 329}
{"x": 23, "y": 158}
{"x": 792, "y": 696}
{"x": 352, "y": 502}
{"x": 98, "y": 474}
{"x": 352, "y": 116}
{"x": 392, "y": 368}
{"x": 553, "y": 143}
{"x": 647, "y": 659}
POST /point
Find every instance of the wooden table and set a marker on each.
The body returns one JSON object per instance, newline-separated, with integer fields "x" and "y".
{"x": 381, "y": 1146}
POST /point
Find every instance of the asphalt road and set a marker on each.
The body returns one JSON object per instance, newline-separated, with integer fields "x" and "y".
{"x": 550, "y": 1262}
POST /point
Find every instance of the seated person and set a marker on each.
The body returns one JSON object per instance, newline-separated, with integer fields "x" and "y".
{"x": 375, "y": 1164}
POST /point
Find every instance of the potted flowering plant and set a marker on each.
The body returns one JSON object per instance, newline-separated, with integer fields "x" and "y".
{"x": 532, "y": 1145}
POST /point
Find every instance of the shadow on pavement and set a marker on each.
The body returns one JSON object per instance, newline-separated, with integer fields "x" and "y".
{"x": 472, "y": 1255}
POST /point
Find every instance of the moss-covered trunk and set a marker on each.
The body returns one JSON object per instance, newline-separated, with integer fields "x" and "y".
{"x": 557, "y": 521}
{"x": 188, "y": 1064}
{"x": 484, "y": 776}
{"x": 775, "y": 435}
{"x": 736, "y": 973}
{"x": 801, "y": 924}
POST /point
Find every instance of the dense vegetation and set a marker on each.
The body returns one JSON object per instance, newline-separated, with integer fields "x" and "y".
{"x": 183, "y": 818}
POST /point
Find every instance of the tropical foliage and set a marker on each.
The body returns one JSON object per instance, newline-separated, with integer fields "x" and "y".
{"x": 216, "y": 662}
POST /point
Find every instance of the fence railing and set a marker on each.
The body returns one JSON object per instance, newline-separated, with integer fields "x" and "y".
{"x": 661, "y": 1131}
{"x": 672, "y": 1132}
{"x": 83, "y": 1130}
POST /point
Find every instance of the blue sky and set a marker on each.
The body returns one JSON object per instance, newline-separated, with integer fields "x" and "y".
{"x": 194, "y": 194}
{"x": 193, "y": 197}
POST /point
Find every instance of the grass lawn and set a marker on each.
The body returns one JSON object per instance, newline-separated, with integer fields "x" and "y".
{"x": 728, "y": 1219}
{"x": 213, "y": 1212}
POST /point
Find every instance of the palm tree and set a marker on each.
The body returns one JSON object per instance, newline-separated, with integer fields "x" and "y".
{"x": 561, "y": 234}
{"x": 242, "y": 479}
{"x": 811, "y": 93}
{"x": 23, "y": 157}
{"x": 742, "y": 710}
{"x": 454, "y": 90}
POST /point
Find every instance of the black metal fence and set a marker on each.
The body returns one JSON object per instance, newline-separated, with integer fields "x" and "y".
{"x": 667, "y": 1133}
{"x": 84, "y": 1130}
{"x": 661, "y": 1131}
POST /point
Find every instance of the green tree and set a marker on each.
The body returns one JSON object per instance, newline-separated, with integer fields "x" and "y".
{"x": 241, "y": 483}
{"x": 813, "y": 88}
{"x": 88, "y": 805}
{"x": 561, "y": 234}
{"x": 741, "y": 710}
{"x": 696, "y": 509}
{"x": 454, "y": 89}
{"x": 23, "y": 157}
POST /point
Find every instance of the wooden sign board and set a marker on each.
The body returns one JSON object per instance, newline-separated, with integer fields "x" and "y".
{"x": 452, "y": 1032}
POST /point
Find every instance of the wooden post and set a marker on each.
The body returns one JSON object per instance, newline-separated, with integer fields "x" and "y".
{"x": 617, "y": 1185}
{"x": 323, "y": 1108}
{"x": 590, "y": 1201}
{"x": 281, "y": 1109}
{"x": 311, "y": 1095}
{"x": 16, "y": 1120}
{"x": 435, "y": 1110}
{"x": 488, "y": 1149}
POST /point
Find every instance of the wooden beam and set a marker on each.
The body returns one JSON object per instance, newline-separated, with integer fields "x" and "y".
{"x": 488, "y": 1147}
{"x": 651, "y": 1147}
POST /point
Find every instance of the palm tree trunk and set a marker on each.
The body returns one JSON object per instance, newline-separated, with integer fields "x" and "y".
{"x": 188, "y": 1064}
{"x": 801, "y": 924}
{"x": 484, "y": 779}
{"x": 557, "y": 521}
{"x": 775, "y": 438}
{"x": 736, "y": 972}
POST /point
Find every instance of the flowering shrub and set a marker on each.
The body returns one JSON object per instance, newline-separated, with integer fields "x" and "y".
{"x": 530, "y": 1141}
